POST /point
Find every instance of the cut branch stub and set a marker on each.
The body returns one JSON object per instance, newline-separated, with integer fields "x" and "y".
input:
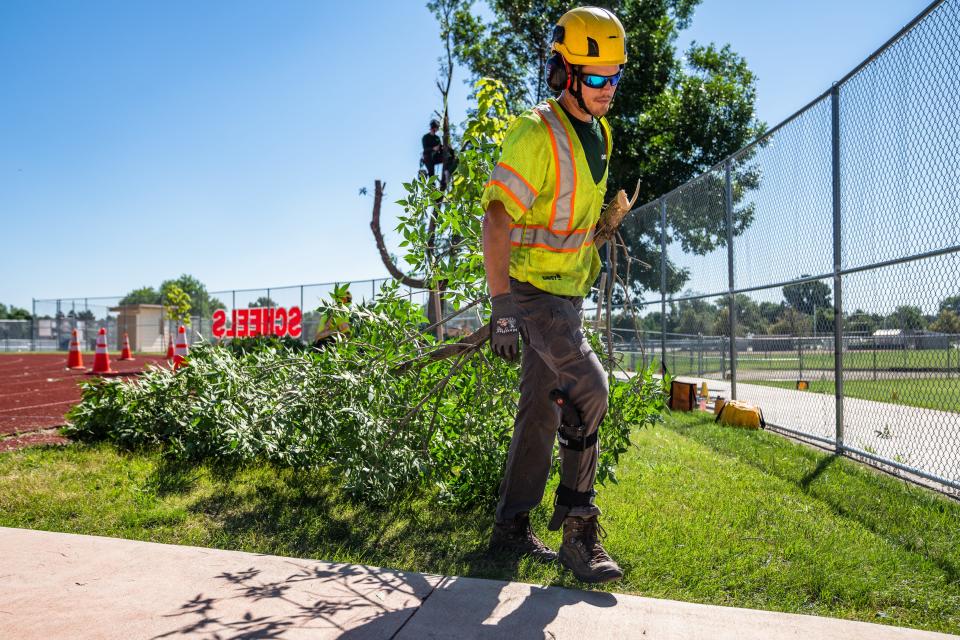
{"x": 613, "y": 215}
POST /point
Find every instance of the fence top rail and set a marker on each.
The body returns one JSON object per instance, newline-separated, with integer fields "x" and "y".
{"x": 288, "y": 286}
{"x": 770, "y": 132}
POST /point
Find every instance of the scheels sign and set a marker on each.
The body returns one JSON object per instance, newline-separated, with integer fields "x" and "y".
{"x": 258, "y": 321}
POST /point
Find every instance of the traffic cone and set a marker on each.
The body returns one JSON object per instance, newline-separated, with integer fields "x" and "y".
{"x": 75, "y": 358}
{"x": 170, "y": 352}
{"x": 180, "y": 355}
{"x": 126, "y": 354}
{"x": 101, "y": 360}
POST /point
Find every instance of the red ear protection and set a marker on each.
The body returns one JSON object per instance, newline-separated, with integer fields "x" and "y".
{"x": 558, "y": 73}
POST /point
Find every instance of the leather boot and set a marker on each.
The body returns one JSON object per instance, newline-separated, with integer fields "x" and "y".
{"x": 517, "y": 537}
{"x": 582, "y": 553}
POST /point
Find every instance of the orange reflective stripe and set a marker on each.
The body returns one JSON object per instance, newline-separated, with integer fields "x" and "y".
{"x": 562, "y": 211}
{"x": 507, "y": 178}
{"x": 543, "y": 238}
{"x": 507, "y": 191}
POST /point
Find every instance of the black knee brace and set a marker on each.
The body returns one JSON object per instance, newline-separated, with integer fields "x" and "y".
{"x": 571, "y": 437}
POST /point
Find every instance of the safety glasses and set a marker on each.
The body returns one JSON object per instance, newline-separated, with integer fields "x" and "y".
{"x": 595, "y": 81}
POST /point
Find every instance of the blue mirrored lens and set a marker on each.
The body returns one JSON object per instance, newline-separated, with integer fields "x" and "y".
{"x": 598, "y": 82}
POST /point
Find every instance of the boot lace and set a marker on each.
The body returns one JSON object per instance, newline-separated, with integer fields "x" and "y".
{"x": 593, "y": 533}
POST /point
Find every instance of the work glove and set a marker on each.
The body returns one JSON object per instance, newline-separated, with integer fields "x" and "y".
{"x": 504, "y": 327}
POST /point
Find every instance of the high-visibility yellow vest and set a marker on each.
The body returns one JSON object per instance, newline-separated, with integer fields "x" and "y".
{"x": 545, "y": 184}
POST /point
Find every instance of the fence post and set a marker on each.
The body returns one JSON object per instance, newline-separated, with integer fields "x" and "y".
{"x": 301, "y": 299}
{"x": 663, "y": 285}
{"x": 33, "y": 325}
{"x": 837, "y": 279}
{"x": 732, "y": 305}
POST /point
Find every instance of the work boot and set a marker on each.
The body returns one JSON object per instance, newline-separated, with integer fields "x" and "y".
{"x": 582, "y": 553}
{"x": 517, "y": 537}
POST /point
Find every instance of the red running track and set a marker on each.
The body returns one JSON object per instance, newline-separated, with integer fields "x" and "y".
{"x": 36, "y": 390}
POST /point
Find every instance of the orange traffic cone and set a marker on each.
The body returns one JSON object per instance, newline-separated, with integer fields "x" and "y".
{"x": 101, "y": 360}
{"x": 170, "y": 352}
{"x": 75, "y": 358}
{"x": 180, "y": 355}
{"x": 126, "y": 354}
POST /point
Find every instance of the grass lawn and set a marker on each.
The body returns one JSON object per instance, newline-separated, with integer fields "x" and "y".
{"x": 703, "y": 513}
{"x": 687, "y": 363}
{"x": 942, "y": 393}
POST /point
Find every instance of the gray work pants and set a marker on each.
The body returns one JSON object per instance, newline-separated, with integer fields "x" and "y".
{"x": 556, "y": 355}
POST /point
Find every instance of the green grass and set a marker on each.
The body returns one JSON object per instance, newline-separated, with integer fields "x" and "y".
{"x": 702, "y": 513}
{"x": 941, "y": 393}
{"x": 681, "y": 363}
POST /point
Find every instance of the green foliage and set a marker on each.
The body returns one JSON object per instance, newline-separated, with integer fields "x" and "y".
{"x": 380, "y": 426}
{"x": 449, "y": 251}
{"x": 177, "y": 304}
{"x": 13, "y": 313}
{"x": 807, "y": 296}
{"x": 907, "y": 317}
{"x": 143, "y": 295}
{"x": 262, "y": 302}
{"x": 201, "y": 302}
{"x": 947, "y": 322}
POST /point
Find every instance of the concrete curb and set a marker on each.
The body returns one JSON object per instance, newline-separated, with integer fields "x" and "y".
{"x": 56, "y": 585}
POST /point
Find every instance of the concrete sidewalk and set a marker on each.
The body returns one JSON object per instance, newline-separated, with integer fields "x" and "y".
{"x": 55, "y": 585}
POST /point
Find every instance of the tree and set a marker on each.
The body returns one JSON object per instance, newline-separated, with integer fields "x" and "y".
{"x": 950, "y": 303}
{"x": 947, "y": 322}
{"x": 807, "y": 296}
{"x": 200, "y": 301}
{"x": 13, "y": 313}
{"x": 177, "y": 303}
{"x": 143, "y": 295}
{"x": 907, "y": 318}
{"x": 862, "y": 322}
{"x": 770, "y": 311}
{"x": 792, "y": 323}
{"x": 262, "y": 302}
{"x": 675, "y": 116}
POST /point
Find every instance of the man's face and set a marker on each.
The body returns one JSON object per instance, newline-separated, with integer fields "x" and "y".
{"x": 598, "y": 100}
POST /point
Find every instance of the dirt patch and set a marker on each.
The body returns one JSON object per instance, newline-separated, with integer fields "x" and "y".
{"x": 37, "y": 390}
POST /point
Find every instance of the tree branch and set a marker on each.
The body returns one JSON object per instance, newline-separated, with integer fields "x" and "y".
{"x": 381, "y": 246}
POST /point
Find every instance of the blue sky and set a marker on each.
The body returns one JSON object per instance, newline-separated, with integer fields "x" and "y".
{"x": 229, "y": 140}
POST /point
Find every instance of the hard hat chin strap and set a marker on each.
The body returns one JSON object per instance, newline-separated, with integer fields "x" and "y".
{"x": 576, "y": 89}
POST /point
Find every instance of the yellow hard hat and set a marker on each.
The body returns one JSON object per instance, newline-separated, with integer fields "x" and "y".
{"x": 590, "y": 36}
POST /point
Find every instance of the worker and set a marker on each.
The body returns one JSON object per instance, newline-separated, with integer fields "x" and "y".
{"x": 335, "y": 323}
{"x": 541, "y": 204}
{"x": 432, "y": 148}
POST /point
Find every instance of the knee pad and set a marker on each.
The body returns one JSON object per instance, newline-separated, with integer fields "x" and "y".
{"x": 572, "y": 439}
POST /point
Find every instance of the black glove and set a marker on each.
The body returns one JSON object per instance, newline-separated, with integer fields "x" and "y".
{"x": 504, "y": 327}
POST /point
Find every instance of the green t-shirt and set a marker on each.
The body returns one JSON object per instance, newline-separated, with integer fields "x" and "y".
{"x": 594, "y": 146}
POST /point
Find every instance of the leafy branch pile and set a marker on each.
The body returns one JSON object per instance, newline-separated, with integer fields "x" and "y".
{"x": 379, "y": 407}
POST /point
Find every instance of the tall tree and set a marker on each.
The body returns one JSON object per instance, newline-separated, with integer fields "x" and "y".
{"x": 675, "y": 116}
{"x": 201, "y": 303}
{"x": 143, "y": 295}
{"x": 808, "y": 296}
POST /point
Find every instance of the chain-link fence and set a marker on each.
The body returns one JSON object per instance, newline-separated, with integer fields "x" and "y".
{"x": 149, "y": 328}
{"x": 835, "y": 240}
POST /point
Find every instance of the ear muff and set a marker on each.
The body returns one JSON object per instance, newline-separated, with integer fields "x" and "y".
{"x": 558, "y": 73}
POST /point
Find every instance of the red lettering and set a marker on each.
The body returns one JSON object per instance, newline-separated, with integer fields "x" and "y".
{"x": 268, "y": 326}
{"x": 281, "y": 317}
{"x": 293, "y": 322}
{"x": 219, "y": 320}
{"x": 232, "y": 331}
{"x": 243, "y": 322}
{"x": 255, "y": 317}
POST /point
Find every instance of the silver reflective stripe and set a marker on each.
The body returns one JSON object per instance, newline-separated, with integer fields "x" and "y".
{"x": 546, "y": 239}
{"x": 561, "y": 214}
{"x": 505, "y": 177}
